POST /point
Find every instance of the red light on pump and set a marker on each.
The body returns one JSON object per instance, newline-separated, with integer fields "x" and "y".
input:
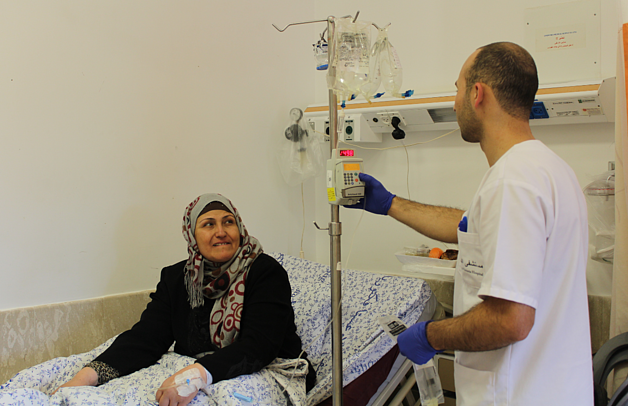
{"x": 346, "y": 152}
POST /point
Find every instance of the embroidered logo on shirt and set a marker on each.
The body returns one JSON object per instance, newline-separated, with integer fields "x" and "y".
{"x": 472, "y": 267}
{"x": 474, "y": 264}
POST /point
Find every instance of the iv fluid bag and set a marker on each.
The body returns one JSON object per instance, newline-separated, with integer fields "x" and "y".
{"x": 375, "y": 78}
{"x": 390, "y": 65}
{"x": 351, "y": 59}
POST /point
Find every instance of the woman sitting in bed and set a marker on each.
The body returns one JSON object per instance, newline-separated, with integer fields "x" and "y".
{"x": 228, "y": 305}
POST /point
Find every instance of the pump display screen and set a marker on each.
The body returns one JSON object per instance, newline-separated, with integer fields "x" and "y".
{"x": 351, "y": 167}
{"x": 346, "y": 152}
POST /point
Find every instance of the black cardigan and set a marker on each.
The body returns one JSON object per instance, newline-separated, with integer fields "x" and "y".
{"x": 267, "y": 328}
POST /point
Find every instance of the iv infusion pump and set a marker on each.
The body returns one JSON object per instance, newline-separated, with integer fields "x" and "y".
{"x": 343, "y": 184}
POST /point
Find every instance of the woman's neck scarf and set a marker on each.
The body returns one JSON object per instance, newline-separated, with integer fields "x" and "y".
{"x": 223, "y": 282}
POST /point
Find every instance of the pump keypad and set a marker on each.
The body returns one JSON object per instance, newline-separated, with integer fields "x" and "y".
{"x": 351, "y": 178}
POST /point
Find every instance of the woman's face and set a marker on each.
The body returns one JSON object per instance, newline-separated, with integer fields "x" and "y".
{"x": 217, "y": 235}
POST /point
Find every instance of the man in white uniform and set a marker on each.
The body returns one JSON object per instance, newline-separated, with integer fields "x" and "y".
{"x": 521, "y": 326}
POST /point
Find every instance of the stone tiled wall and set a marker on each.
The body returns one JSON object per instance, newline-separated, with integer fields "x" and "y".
{"x": 32, "y": 335}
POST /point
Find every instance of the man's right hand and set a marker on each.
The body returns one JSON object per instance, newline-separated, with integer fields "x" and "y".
{"x": 376, "y": 198}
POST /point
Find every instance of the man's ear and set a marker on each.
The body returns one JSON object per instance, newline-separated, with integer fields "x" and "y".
{"x": 478, "y": 94}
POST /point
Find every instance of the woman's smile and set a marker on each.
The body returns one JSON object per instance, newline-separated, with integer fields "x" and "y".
{"x": 217, "y": 235}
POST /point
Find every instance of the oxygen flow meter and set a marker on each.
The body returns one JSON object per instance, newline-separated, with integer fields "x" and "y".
{"x": 343, "y": 183}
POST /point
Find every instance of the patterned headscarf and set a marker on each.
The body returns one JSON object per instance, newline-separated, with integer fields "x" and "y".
{"x": 215, "y": 280}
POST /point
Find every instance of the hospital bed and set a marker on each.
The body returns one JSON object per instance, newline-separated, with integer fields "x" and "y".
{"x": 372, "y": 366}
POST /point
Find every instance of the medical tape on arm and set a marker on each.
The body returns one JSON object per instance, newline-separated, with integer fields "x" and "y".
{"x": 188, "y": 382}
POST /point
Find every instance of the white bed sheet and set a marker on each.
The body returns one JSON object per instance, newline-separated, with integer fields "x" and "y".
{"x": 365, "y": 297}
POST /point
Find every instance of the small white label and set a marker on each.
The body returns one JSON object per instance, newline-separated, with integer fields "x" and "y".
{"x": 567, "y": 113}
{"x": 593, "y": 112}
{"x": 564, "y": 102}
{"x": 330, "y": 178}
{"x": 392, "y": 326}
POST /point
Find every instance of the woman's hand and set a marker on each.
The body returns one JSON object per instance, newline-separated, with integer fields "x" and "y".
{"x": 85, "y": 377}
{"x": 167, "y": 394}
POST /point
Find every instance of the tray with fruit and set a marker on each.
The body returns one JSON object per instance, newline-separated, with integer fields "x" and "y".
{"x": 424, "y": 256}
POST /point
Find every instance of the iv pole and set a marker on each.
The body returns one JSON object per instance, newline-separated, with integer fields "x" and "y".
{"x": 335, "y": 231}
{"x": 334, "y": 227}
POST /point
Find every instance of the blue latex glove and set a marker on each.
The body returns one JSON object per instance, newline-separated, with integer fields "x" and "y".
{"x": 376, "y": 198}
{"x": 414, "y": 345}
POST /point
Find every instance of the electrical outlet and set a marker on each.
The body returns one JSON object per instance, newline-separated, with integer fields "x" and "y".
{"x": 348, "y": 130}
{"x": 386, "y": 117}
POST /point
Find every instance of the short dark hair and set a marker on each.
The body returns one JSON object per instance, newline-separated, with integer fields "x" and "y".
{"x": 511, "y": 72}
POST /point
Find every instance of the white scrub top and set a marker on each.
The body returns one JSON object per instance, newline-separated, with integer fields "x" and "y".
{"x": 527, "y": 241}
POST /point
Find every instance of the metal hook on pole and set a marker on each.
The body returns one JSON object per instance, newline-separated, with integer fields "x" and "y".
{"x": 317, "y": 226}
{"x": 313, "y": 21}
{"x": 305, "y": 22}
{"x": 322, "y": 21}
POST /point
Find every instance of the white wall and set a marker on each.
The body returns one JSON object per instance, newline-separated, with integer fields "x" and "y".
{"x": 433, "y": 39}
{"x": 114, "y": 115}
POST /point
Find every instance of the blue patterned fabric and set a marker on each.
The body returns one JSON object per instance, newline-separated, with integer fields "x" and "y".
{"x": 366, "y": 296}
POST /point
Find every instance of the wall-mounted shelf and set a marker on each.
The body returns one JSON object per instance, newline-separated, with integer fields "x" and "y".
{"x": 571, "y": 103}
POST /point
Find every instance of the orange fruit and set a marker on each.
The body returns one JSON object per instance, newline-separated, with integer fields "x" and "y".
{"x": 436, "y": 253}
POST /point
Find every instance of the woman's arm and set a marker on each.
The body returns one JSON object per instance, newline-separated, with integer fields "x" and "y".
{"x": 152, "y": 335}
{"x": 140, "y": 346}
{"x": 85, "y": 377}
